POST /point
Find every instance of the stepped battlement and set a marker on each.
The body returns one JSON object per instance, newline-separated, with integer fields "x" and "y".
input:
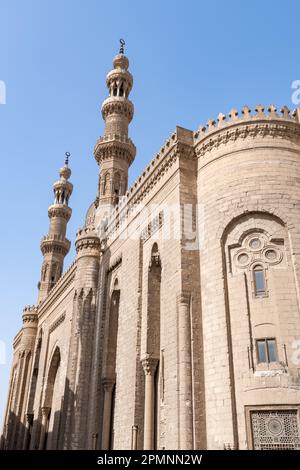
{"x": 246, "y": 115}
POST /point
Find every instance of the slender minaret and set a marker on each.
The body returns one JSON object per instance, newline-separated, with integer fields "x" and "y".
{"x": 115, "y": 151}
{"x": 55, "y": 245}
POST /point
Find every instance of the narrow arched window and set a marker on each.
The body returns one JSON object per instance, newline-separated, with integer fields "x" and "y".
{"x": 117, "y": 181}
{"x": 105, "y": 183}
{"x": 259, "y": 280}
{"x": 121, "y": 92}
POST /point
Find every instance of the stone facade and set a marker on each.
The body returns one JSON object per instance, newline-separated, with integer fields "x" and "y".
{"x": 177, "y": 326}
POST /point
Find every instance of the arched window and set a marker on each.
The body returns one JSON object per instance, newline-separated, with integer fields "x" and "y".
{"x": 52, "y": 402}
{"x": 121, "y": 92}
{"x": 105, "y": 183}
{"x": 54, "y": 273}
{"x": 117, "y": 182}
{"x": 45, "y": 272}
{"x": 259, "y": 280}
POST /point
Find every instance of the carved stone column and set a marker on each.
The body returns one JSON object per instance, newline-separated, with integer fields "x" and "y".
{"x": 149, "y": 365}
{"x": 29, "y": 421}
{"x": 45, "y": 415}
{"x": 108, "y": 385}
{"x": 185, "y": 372}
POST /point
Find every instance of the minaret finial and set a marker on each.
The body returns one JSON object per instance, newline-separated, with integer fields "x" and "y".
{"x": 122, "y": 44}
{"x": 67, "y": 154}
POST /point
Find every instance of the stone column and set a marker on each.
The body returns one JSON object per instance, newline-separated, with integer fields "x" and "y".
{"x": 94, "y": 441}
{"x": 29, "y": 421}
{"x": 45, "y": 415}
{"x": 134, "y": 432}
{"x": 185, "y": 372}
{"x": 108, "y": 385}
{"x": 149, "y": 365}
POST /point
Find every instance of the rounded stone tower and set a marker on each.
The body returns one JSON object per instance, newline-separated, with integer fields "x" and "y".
{"x": 249, "y": 192}
{"x": 16, "y": 418}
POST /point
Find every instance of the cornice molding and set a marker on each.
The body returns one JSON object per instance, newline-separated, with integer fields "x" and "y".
{"x": 57, "y": 322}
{"x": 114, "y": 264}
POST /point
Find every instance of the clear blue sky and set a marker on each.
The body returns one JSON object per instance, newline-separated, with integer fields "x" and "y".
{"x": 190, "y": 60}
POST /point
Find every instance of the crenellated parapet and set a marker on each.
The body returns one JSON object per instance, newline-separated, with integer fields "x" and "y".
{"x": 30, "y": 314}
{"x": 87, "y": 243}
{"x": 61, "y": 286}
{"x": 180, "y": 144}
{"x": 263, "y": 122}
{"x": 114, "y": 146}
{"x": 29, "y": 328}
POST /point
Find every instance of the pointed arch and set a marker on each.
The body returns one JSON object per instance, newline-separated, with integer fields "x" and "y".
{"x": 105, "y": 182}
{"x": 117, "y": 183}
{"x": 151, "y": 363}
{"x": 52, "y": 401}
{"x": 110, "y": 379}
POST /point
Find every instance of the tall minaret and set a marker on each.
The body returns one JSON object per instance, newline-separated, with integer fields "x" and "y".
{"x": 55, "y": 245}
{"x": 115, "y": 151}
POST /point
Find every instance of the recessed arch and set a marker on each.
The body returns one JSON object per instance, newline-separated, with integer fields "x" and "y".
{"x": 52, "y": 402}
{"x": 51, "y": 376}
{"x": 152, "y": 361}
{"x": 243, "y": 216}
{"x": 109, "y": 378}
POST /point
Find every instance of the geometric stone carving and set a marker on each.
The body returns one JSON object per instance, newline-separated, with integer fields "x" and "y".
{"x": 275, "y": 430}
{"x": 256, "y": 248}
{"x": 57, "y": 322}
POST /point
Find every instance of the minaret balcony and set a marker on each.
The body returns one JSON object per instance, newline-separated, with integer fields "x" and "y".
{"x": 60, "y": 210}
{"x": 117, "y": 105}
{"x": 114, "y": 146}
{"x": 55, "y": 244}
{"x": 118, "y": 75}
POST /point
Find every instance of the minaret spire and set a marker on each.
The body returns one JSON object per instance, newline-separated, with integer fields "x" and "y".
{"x": 115, "y": 151}
{"x": 55, "y": 245}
